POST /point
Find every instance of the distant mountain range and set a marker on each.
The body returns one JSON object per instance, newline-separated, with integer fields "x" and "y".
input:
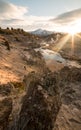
{"x": 42, "y": 32}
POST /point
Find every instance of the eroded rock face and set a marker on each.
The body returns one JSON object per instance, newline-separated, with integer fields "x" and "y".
{"x": 69, "y": 116}
{"x": 40, "y": 105}
{"x": 5, "y": 110}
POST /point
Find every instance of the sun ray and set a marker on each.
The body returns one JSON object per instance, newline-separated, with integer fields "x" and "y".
{"x": 61, "y": 43}
{"x": 72, "y": 45}
{"x": 78, "y": 36}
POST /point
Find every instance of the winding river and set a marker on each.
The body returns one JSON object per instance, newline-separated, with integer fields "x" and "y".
{"x": 52, "y": 55}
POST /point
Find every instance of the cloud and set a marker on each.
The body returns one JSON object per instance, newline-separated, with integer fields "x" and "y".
{"x": 16, "y": 16}
{"x": 67, "y": 17}
{"x": 9, "y": 10}
{"x": 27, "y": 22}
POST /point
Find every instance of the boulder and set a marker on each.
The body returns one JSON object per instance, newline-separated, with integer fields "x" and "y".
{"x": 40, "y": 107}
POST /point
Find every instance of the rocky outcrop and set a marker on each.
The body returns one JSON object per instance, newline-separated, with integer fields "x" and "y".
{"x": 5, "y": 110}
{"x": 40, "y": 104}
{"x": 69, "y": 116}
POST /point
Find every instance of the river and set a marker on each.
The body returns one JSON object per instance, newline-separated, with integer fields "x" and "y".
{"x": 52, "y": 55}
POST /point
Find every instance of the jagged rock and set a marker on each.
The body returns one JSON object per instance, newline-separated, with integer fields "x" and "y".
{"x": 40, "y": 108}
{"x": 69, "y": 116}
{"x": 5, "y": 110}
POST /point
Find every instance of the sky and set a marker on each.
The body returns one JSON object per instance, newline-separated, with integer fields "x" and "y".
{"x": 54, "y": 15}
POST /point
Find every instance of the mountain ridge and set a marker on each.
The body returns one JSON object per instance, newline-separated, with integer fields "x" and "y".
{"x": 42, "y": 32}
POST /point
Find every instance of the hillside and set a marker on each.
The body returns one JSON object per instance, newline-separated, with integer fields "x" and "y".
{"x": 40, "y": 84}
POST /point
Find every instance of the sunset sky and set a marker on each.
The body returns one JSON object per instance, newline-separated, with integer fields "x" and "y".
{"x": 55, "y": 15}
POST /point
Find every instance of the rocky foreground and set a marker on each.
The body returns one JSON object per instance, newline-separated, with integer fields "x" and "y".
{"x": 50, "y": 101}
{"x": 39, "y": 108}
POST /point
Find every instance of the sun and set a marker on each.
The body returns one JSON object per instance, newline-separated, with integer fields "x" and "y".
{"x": 73, "y": 30}
{"x": 75, "y": 27}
